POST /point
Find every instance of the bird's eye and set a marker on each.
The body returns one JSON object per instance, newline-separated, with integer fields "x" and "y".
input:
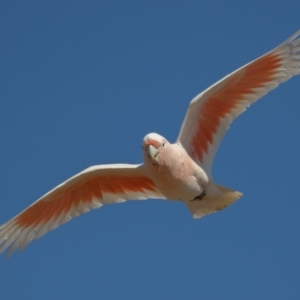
{"x": 163, "y": 144}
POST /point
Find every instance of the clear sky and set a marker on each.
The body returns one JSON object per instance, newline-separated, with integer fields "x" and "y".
{"x": 81, "y": 83}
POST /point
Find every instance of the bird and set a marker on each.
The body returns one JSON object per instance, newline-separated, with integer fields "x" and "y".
{"x": 180, "y": 171}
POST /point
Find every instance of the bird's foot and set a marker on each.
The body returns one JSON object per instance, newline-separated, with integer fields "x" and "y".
{"x": 200, "y": 197}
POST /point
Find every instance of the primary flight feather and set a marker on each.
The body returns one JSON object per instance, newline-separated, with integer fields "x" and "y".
{"x": 179, "y": 171}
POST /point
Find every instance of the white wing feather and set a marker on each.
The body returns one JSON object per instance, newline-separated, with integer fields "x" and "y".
{"x": 198, "y": 120}
{"x": 96, "y": 186}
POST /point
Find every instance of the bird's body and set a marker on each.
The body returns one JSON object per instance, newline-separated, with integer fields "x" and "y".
{"x": 176, "y": 175}
{"x": 179, "y": 171}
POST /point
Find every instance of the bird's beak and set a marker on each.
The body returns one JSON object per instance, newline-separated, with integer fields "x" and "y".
{"x": 152, "y": 153}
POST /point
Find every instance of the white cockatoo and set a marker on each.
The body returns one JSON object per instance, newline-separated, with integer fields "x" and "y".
{"x": 179, "y": 171}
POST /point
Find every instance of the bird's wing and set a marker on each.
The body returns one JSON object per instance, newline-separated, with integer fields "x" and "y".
{"x": 87, "y": 190}
{"x": 211, "y": 112}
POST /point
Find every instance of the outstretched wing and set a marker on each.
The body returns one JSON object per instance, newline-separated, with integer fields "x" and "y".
{"x": 87, "y": 190}
{"x": 211, "y": 112}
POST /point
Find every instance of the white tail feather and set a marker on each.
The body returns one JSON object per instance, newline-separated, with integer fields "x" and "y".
{"x": 210, "y": 205}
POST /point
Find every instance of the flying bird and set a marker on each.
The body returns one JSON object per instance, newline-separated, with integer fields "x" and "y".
{"x": 179, "y": 171}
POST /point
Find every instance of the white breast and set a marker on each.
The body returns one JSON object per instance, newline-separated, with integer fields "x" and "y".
{"x": 177, "y": 176}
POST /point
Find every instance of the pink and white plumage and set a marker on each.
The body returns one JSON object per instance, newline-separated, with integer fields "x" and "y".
{"x": 179, "y": 171}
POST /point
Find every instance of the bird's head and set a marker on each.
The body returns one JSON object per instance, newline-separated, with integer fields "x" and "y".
{"x": 153, "y": 145}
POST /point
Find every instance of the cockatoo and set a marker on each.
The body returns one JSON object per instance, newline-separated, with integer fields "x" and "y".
{"x": 179, "y": 171}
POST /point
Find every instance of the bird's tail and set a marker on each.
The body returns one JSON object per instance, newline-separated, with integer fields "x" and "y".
{"x": 209, "y": 204}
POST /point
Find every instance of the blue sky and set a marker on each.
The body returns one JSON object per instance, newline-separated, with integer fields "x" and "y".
{"x": 82, "y": 82}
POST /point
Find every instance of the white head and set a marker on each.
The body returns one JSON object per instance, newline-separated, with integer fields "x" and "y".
{"x": 153, "y": 145}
